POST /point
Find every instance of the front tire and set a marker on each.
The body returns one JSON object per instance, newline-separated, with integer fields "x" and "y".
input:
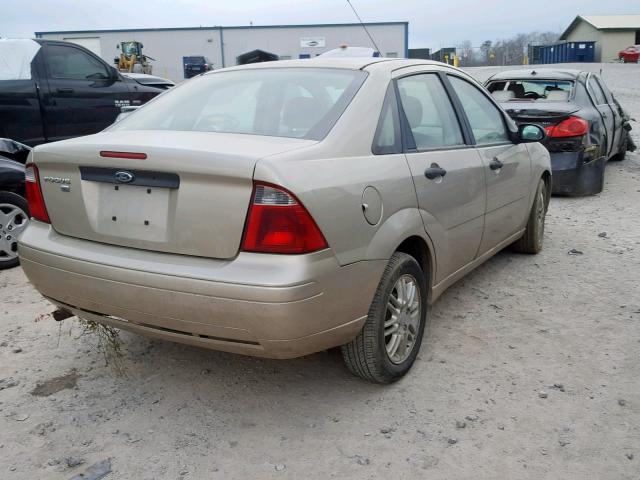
{"x": 532, "y": 240}
{"x": 14, "y": 218}
{"x": 390, "y": 339}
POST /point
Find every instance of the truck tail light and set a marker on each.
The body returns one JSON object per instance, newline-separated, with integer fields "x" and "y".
{"x": 570, "y": 127}
{"x": 37, "y": 208}
{"x": 278, "y": 223}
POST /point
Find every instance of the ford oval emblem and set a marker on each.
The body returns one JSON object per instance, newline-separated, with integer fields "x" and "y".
{"x": 124, "y": 177}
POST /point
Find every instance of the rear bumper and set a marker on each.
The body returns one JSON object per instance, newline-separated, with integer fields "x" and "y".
{"x": 571, "y": 176}
{"x": 264, "y": 305}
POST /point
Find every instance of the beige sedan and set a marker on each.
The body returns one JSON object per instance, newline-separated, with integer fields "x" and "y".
{"x": 284, "y": 208}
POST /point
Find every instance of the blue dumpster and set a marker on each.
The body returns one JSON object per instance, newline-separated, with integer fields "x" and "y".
{"x": 568, "y": 52}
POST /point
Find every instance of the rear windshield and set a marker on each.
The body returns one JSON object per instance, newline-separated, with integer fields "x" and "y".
{"x": 194, "y": 59}
{"x": 283, "y": 102}
{"x": 531, "y": 90}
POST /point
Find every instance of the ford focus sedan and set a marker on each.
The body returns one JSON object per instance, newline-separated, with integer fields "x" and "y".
{"x": 285, "y": 208}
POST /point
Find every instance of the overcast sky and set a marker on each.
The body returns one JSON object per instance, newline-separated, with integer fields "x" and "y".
{"x": 431, "y": 23}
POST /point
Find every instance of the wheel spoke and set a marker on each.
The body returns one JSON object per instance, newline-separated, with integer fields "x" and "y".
{"x": 394, "y": 301}
{"x": 392, "y": 346}
{"x": 393, "y": 320}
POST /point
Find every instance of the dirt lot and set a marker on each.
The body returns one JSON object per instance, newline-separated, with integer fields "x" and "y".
{"x": 530, "y": 369}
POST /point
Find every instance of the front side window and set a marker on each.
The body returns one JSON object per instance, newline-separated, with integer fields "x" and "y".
{"x": 283, "y": 102}
{"x": 429, "y": 112}
{"x": 485, "y": 119}
{"x": 72, "y": 63}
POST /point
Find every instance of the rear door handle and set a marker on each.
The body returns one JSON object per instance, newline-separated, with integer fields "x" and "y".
{"x": 434, "y": 171}
{"x": 495, "y": 164}
{"x": 64, "y": 90}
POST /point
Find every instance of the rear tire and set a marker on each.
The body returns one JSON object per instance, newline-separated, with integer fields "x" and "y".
{"x": 390, "y": 339}
{"x": 531, "y": 241}
{"x": 14, "y": 216}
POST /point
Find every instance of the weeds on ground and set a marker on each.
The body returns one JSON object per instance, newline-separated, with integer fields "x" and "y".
{"x": 109, "y": 342}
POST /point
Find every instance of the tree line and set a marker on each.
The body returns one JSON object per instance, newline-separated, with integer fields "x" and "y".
{"x": 510, "y": 51}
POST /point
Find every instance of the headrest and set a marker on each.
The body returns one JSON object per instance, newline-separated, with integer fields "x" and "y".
{"x": 559, "y": 95}
{"x": 517, "y": 89}
{"x": 413, "y": 110}
{"x": 302, "y": 113}
{"x": 503, "y": 95}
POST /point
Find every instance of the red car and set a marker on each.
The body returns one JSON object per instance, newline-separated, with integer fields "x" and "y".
{"x": 630, "y": 54}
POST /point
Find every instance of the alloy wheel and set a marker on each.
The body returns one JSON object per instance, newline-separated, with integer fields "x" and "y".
{"x": 13, "y": 220}
{"x": 402, "y": 320}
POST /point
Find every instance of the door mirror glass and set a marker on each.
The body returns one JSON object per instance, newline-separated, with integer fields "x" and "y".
{"x": 531, "y": 133}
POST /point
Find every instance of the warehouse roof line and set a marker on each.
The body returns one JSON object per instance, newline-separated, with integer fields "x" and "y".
{"x": 605, "y": 22}
{"x": 217, "y": 27}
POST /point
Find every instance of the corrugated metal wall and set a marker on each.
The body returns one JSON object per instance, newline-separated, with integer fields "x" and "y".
{"x": 168, "y": 46}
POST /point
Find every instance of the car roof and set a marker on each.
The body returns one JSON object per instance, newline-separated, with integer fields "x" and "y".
{"x": 548, "y": 73}
{"x": 348, "y": 63}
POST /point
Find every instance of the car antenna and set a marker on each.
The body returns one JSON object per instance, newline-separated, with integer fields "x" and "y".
{"x": 364, "y": 26}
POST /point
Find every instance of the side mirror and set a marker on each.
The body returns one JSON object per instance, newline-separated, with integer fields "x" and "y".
{"x": 531, "y": 133}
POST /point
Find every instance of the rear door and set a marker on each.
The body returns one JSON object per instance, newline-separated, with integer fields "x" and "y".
{"x": 507, "y": 166}
{"x": 447, "y": 172}
{"x": 85, "y": 94}
{"x": 600, "y": 101}
{"x": 618, "y": 121}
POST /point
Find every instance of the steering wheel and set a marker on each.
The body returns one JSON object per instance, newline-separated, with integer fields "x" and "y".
{"x": 218, "y": 122}
{"x": 533, "y": 95}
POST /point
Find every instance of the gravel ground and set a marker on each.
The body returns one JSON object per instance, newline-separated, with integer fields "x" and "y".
{"x": 529, "y": 369}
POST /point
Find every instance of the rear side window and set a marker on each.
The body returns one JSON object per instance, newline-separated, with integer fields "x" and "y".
{"x": 387, "y": 139}
{"x": 73, "y": 63}
{"x": 429, "y": 112}
{"x": 283, "y": 102}
{"x": 485, "y": 119}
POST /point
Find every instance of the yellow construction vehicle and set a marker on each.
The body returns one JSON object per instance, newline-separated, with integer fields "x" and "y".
{"x": 132, "y": 59}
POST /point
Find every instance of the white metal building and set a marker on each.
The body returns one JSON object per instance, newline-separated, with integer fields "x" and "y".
{"x": 611, "y": 33}
{"x": 222, "y": 45}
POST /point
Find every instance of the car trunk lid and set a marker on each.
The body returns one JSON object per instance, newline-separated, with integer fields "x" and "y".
{"x": 541, "y": 113}
{"x": 190, "y": 194}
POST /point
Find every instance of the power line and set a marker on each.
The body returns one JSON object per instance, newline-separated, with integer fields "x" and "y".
{"x": 364, "y": 26}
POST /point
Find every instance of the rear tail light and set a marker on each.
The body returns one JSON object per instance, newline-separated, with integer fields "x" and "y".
{"x": 571, "y": 127}
{"x": 278, "y": 223}
{"x": 37, "y": 208}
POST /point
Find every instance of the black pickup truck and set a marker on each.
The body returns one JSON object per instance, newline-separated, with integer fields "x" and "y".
{"x": 52, "y": 90}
